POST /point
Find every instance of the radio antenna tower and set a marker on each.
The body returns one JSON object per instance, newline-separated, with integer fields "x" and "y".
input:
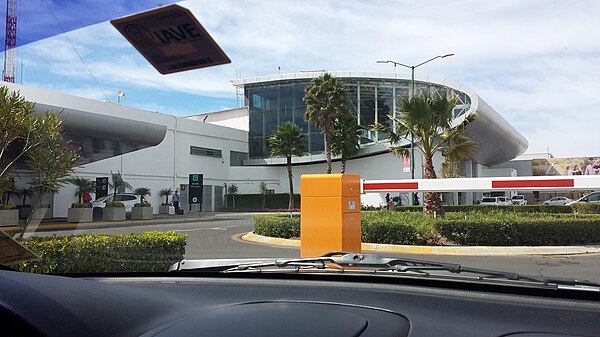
{"x": 10, "y": 45}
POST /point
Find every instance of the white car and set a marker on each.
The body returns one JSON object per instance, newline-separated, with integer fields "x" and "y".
{"x": 557, "y": 201}
{"x": 498, "y": 201}
{"x": 592, "y": 197}
{"x": 518, "y": 200}
{"x": 128, "y": 199}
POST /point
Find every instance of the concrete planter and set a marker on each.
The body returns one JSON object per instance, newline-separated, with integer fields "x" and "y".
{"x": 141, "y": 213}
{"x": 163, "y": 209}
{"x": 79, "y": 215}
{"x": 24, "y": 212}
{"x": 113, "y": 214}
{"x": 9, "y": 217}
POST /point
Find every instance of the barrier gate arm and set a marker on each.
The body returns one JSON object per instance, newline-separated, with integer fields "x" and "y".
{"x": 538, "y": 183}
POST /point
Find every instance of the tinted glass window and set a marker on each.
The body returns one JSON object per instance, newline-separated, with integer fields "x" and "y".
{"x": 594, "y": 197}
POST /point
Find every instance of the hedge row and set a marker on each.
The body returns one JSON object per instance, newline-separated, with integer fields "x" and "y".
{"x": 474, "y": 228}
{"x": 586, "y": 207}
{"x": 374, "y": 228}
{"x": 514, "y": 208}
{"x": 151, "y": 251}
{"x": 387, "y": 227}
{"x": 277, "y": 225}
{"x": 511, "y": 232}
{"x": 255, "y": 201}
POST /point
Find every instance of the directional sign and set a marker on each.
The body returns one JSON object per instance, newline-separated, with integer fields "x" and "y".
{"x": 171, "y": 39}
{"x": 195, "y": 189}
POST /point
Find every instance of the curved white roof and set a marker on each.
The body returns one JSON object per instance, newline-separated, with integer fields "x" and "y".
{"x": 497, "y": 140}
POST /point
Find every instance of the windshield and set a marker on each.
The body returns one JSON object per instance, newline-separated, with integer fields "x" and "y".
{"x": 147, "y": 150}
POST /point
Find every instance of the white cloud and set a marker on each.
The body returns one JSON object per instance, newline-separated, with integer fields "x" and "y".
{"x": 534, "y": 61}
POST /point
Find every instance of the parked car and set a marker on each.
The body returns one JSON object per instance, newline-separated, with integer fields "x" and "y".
{"x": 518, "y": 200}
{"x": 592, "y": 197}
{"x": 128, "y": 199}
{"x": 557, "y": 201}
{"x": 498, "y": 201}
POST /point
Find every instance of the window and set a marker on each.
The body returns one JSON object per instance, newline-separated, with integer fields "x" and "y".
{"x": 237, "y": 158}
{"x": 203, "y": 151}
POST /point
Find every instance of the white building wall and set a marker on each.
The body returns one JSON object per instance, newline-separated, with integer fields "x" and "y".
{"x": 168, "y": 164}
{"x": 233, "y": 118}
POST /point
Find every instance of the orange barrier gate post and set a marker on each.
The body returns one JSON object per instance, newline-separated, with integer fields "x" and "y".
{"x": 330, "y": 214}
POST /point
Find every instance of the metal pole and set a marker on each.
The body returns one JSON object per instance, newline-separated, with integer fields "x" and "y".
{"x": 412, "y": 141}
{"x": 410, "y": 96}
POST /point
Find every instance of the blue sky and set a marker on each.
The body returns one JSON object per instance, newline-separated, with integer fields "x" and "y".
{"x": 535, "y": 62}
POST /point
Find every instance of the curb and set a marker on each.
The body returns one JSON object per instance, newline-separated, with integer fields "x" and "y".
{"x": 105, "y": 224}
{"x": 441, "y": 250}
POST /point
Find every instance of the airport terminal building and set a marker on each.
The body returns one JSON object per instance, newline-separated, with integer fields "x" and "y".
{"x": 157, "y": 151}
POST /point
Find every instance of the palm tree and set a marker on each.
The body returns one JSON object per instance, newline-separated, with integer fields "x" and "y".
{"x": 232, "y": 190}
{"x": 142, "y": 192}
{"x": 325, "y": 100}
{"x": 286, "y": 142}
{"x": 24, "y": 193}
{"x": 166, "y": 192}
{"x": 83, "y": 185}
{"x": 426, "y": 119}
{"x": 262, "y": 187}
{"x": 345, "y": 140}
{"x": 118, "y": 184}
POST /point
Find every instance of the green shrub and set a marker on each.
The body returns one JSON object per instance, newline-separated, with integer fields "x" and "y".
{"x": 151, "y": 251}
{"x": 116, "y": 204}
{"x": 396, "y": 228}
{"x": 512, "y": 230}
{"x": 277, "y": 225}
{"x": 495, "y": 227}
{"x": 78, "y": 205}
{"x": 6, "y": 207}
{"x": 254, "y": 201}
{"x": 586, "y": 207}
{"x": 143, "y": 204}
{"x": 514, "y": 208}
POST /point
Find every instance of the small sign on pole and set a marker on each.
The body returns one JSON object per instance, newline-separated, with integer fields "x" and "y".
{"x": 101, "y": 187}
{"x": 171, "y": 39}
{"x": 195, "y": 189}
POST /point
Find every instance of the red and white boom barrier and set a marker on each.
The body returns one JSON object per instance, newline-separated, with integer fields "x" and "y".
{"x": 545, "y": 183}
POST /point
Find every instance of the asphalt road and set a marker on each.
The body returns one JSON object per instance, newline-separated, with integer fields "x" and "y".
{"x": 218, "y": 237}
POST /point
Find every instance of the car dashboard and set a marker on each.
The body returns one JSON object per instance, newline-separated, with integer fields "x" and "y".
{"x": 285, "y": 304}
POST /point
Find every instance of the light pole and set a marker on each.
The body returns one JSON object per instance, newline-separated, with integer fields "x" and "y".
{"x": 410, "y": 95}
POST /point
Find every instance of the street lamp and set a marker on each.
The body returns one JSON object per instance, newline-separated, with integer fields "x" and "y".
{"x": 410, "y": 95}
{"x": 412, "y": 69}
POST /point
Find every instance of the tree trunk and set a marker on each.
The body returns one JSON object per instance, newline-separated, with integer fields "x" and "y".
{"x": 343, "y": 164}
{"x": 290, "y": 177}
{"x": 431, "y": 202}
{"x": 328, "y": 130}
{"x": 34, "y": 209}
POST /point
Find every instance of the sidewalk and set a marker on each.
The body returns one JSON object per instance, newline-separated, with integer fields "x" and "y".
{"x": 441, "y": 250}
{"x": 62, "y": 224}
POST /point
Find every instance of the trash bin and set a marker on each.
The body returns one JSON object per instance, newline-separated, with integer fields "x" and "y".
{"x": 97, "y": 214}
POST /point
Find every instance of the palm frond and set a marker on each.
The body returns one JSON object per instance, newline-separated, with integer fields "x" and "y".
{"x": 399, "y": 150}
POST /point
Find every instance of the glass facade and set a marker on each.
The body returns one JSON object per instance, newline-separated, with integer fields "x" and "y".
{"x": 372, "y": 100}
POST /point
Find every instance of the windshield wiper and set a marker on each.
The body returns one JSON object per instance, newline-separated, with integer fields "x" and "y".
{"x": 372, "y": 263}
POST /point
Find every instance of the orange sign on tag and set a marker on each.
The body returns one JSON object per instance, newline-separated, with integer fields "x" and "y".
{"x": 171, "y": 39}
